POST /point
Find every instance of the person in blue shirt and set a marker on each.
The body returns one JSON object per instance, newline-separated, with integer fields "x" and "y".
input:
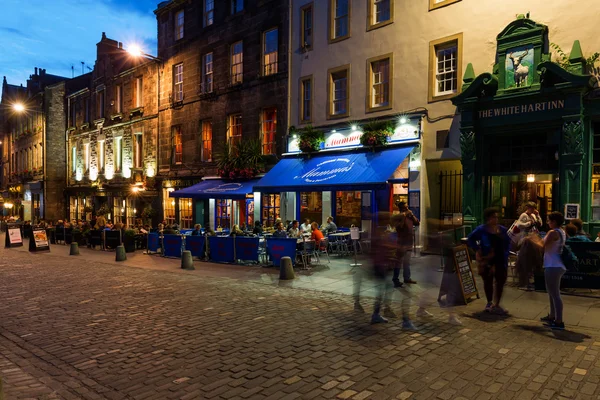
{"x": 280, "y": 231}
{"x": 197, "y": 230}
{"x": 574, "y": 235}
{"x": 491, "y": 244}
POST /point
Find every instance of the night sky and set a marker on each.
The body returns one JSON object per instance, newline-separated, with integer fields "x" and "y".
{"x": 58, "y": 34}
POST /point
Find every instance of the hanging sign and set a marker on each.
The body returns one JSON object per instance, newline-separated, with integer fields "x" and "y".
{"x": 13, "y": 236}
{"x": 39, "y": 240}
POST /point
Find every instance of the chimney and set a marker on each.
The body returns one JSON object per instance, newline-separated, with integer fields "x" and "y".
{"x": 36, "y": 70}
{"x": 103, "y": 35}
{"x": 120, "y": 45}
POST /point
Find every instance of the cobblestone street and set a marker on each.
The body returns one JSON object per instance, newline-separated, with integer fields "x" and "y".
{"x": 77, "y": 329}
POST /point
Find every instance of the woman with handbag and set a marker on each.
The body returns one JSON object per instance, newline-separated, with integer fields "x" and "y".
{"x": 531, "y": 250}
{"x": 554, "y": 269}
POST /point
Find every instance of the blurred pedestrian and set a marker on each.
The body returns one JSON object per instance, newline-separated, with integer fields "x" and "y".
{"x": 403, "y": 224}
{"x": 530, "y": 255}
{"x": 554, "y": 269}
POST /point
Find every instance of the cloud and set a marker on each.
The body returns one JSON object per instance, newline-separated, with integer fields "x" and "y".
{"x": 36, "y": 35}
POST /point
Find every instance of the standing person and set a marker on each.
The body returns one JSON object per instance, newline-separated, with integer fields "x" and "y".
{"x": 530, "y": 255}
{"x": 404, "y": 224}
{"x": 258, "y": 229}
{"x": 491, "y": 244}
{"x": 554, "y": 269}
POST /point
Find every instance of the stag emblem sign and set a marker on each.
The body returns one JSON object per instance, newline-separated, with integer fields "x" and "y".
{"x": 519, "y": 67}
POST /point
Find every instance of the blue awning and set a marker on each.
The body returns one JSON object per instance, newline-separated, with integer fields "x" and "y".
{"x": 217, "y": 189}
{"x": 352, "y": 171}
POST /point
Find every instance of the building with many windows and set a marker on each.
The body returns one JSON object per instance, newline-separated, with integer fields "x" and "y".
{"x": 112, "y": 135}
{"x": 223, "y": 91}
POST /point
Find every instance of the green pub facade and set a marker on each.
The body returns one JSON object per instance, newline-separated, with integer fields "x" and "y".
{"x": 529, "y": 130}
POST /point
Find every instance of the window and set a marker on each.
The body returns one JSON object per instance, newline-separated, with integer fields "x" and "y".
{"x": 379, "y": 83}
{"x": 209, "y": 12}
{"x": 73, "y": 112}
{"x": 223, "y": 213}
{"x": 433, "y": 4}
{"x": 185, "y": 213}
{"x": 119, "y": 98}
{"x": 380, "y": 13}
{"x": 269, "y": 130}
{"x": 445, "y": 62}
{"x": 339, "y": 25}
{"x": 271, "y": 208}
{"x": 138, "y": 150}
{"x": 178, "y": 82}
{"x": 118, "y": 153}
{"x": 237, "y": 63}
{"x": 234, "y": 129}
{"x": 86, "y": 109}
{"x": 306, "y": 92}
{"x": 100, "y": 104}
{"x": 270, "y": 47}
{"x": 179, "y": 18}
{"x": 86, "y": 155}
{"x": 73, "y": 159}
{"x": 207, "y": 73}
{"x": 168, "y": 207}
{"x": 306, "y": 27}
{"x": 206, "y": 150}
{"x": 237, "y": 6}
{"x": 118, "y": 209}
{"x": 100, "y": 156}
{"x": 177, "y": 145}
{"x": 138, "y": 94}
{"x": 338, "y": 92}
{"x": 442, "y": 140}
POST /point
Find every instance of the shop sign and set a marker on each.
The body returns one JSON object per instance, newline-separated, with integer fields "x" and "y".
{"x": 327, "y": 170}
{"x": 343, "y": 138}
{"x": 522, "y": 109}
{"x": 224, "y": 188}
{"x": 404, "y": 132}
{"x": 173, "y": 183}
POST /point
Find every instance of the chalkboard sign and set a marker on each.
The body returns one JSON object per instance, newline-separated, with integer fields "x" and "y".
{"x": 571, "y": 211}
{"x": 462, "y": 265}
{"x": 458, "y": 282}
{"x": 38, "y": 240}
{"x": 13, "y": 236}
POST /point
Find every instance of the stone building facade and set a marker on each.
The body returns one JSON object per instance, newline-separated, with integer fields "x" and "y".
{"x": 224, "y": 80}
{"x": 32, "y": 181}
{"x": 112, "y": 132}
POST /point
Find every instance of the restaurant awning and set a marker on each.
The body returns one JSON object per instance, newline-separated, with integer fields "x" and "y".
{"x": 352, "y": 171}
{"x": 217, "y": 189}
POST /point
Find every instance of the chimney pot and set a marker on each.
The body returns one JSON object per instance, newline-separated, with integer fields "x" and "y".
{"x": 36, "y": 70}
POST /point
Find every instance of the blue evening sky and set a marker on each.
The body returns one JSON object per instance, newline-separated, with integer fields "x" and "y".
{"x": 56, "y": 34}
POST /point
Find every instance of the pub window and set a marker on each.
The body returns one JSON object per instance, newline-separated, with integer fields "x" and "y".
{"x": 338, "y": 92}
{"x": 271, "y": 208}
{"x": 168, "y": 207}
{"x": 596, "y": 172}
{"x": 311, "y": 207}
{"x": 223, "y": 213}
{"x": 339, "y": 23}
{"x": 380, "y": 13}
{"x": 177, "y": 145}
{"x": 306, "y": 94}
{"x": 185, "y": 213}
{"x": 179, "y": 20}
{"x": 86, "y": 109}
{"x": 73, "y": 159}
{"x": 270, "y": 47}
{"x": 380, "y": 82}
{"x": 100, "y": 155}
{"x": 86, "y": 155}
{"x": 442, "y": 140}
{"x": 73, "y": 112}
{"x": 269, "y": 130}
{"x": 306, "y": 27}
{"x": 348, "y": 208}
{"x": 234, "y": 129}
{"x": 445, "y": 63}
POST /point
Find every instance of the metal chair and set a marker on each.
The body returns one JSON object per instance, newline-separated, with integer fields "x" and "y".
{"x": 324, "y": 248}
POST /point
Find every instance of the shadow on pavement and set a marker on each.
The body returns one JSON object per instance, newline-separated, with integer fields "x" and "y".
{"x": 565, "y": 336}
{"x": 487, "y": 317}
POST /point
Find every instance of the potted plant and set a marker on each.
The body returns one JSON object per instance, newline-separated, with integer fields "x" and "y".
{"x": 377, "y": 133}
{"x": 87, "y": 209}
{"x": 148, "y": 213}
{"x": 103, "y": 210}
{"x": 310, "y": 139}
{"x": 129, "y": 240}
{"x": 241, "y": 162}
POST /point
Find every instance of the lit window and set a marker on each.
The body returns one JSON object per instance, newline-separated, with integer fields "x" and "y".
{"x": 209, "y": 12}
{"x": 380, "y": 12}
{"x": 340, "y": 19}
{"x": 177, "y": 145}
{"x": 73, "y": 159}
{"x": 237, "y": 6}
{"x": 206, "y": 141}
{"x": 138, "y": 150}
{"x": 207, "y": 73}
{"x": 119, "y": 98}
{"x": 118, "y": 153}
{"x": 380, "y": 83}
{"x": 178, "y": 82}
{"x": 139, "y": 93}
{"x": 168, "y": 207}
{"x": 338, "y": 92}
{"x": 269, "y": 130}
{"x": 234, "y": 129}
{"x": 445, "y": 65}
{"x": 306, "y": 96}
{"x": 185, "y": 213}
{"x": 433, "y": 4}
{"x": 100, "y": 155}
{"x": 237, "y": 63}
{"x": 270, "y": 52}
{"x": 179, "y": 19}
{"x": 306, "y": 29}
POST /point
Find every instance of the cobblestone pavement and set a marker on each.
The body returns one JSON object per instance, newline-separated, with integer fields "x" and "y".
{"x": 77, "y": 329}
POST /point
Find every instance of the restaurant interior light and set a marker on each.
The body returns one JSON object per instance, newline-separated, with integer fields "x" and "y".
{"x": 333, "y": 131}
{"x": 403, "y": 120}
{"x": 530, "y": 178}
{"x": 354, "y": 127}
{"x": 8, "y": 205}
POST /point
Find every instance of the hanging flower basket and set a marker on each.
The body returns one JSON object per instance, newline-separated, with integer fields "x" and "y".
{"x": 241, "y": 161}
{"x": 377, "y": 133}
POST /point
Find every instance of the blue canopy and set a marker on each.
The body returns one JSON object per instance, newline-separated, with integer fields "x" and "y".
{"x": 352, "y": 171}
{"x": 217, "y": 189}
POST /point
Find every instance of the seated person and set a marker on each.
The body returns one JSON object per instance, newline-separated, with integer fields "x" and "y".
{"x": 209, "y": 231}
{"x": 258, "y": 229}
{"x": 574, "y": 236}
{"x": 169, "y": 230}
{"x": 330, "y": 226}
{"x": 316, "y": 235}
{"x": 294, "y": 231}
{"x": 236, "y": 231}
{"x": 197, "y": 230}
{"x": 279, "y": 231}
{"x": 243, "y": 227}
{"x": 305, "y": 227}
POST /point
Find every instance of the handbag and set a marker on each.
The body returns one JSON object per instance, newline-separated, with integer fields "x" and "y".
{"x": 515, "y": 233}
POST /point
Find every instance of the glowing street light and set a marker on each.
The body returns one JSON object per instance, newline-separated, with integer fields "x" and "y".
{"x": 135, "y": 50}
{"x": 19, "y": 107}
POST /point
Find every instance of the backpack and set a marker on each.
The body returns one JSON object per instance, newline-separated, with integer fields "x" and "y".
{"x": 568, "y": 258}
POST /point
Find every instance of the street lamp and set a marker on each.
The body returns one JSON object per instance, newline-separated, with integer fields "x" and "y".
{"x": 136, "y": 51}
{"x": 18, "y": 107}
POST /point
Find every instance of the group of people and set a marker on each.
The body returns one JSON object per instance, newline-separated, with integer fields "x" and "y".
{"x": 492, "y": 244}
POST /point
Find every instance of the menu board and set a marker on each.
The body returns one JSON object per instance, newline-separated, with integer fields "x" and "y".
{"x": 462, "y": 266}
{"x": 39, "y": 240}
{"x": 13, "y": 236}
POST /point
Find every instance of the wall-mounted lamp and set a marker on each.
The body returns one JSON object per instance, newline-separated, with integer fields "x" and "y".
{"x": 530, "y": 178}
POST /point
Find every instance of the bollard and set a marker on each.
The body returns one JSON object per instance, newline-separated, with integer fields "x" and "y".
{"x": 187, "y": 262}
{"x": 286, "y": 269}
{"x": 74, "y": 249}
{"x": 121, "y": 256}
